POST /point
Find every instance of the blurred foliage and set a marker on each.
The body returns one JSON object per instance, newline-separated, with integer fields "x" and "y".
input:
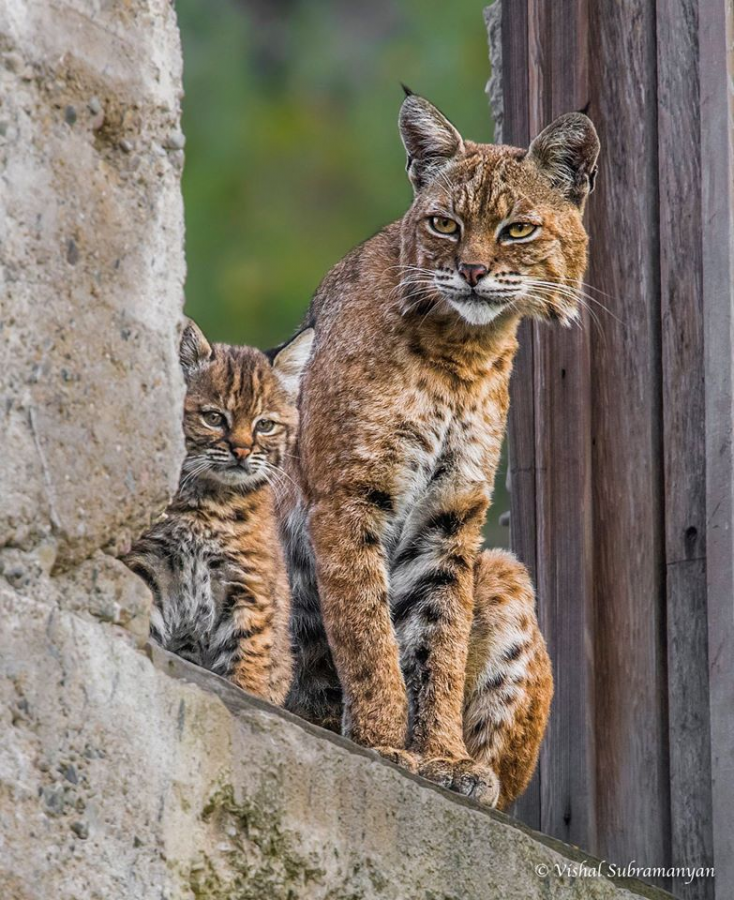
{"x": 292, "y": 153}
{"x": 292, "y": 149}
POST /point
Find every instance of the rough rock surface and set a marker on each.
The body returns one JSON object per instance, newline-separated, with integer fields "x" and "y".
{"x": 91, "y": 254}
{"x": 126, "y": 777}
{"x": 124, "y": 773}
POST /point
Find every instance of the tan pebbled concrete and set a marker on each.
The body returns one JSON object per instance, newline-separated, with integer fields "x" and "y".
{"x": 123, "y": 776}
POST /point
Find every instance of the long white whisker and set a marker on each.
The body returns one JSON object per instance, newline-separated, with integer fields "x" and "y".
{"x": 412, "y": 284}
{"x": 192, "y": 472}
{"x": 590, "y": 287}
{"x": 570, "y": 291}
{"x": 278, "y": 479}
{"x": 408, "y": 268}
{"x": 543, "y": 294}
{"x": 577, "y": 294}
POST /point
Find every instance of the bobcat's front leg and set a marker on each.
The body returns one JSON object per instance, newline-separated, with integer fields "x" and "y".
{"x": 247, "y": 639}
{"x": 346, "y": 530}
{"x": 433, "y": 608}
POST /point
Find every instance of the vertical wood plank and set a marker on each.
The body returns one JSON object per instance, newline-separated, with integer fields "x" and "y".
{"x": 558, "y": 84}
{"x": 690, "y": 736}
{"x": 716, "y": 47}
{"x": 679, "y": 167}
{"x": 515, "y": 74}
{"x": 521, "y": 426}
{"x": 627, "y": 451}
{"x": 658, "y": 479}
{"x": 550, "y": 445}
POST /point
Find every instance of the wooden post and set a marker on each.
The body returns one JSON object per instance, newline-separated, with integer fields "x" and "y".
{"x": 622, "y": 455}
{"x": 628, "y": 476}
{"x": 683, "y": 399}
{"x": 521, "y": 428}
{"x": 716, "y": 52}
{"x": 550, "y": 433}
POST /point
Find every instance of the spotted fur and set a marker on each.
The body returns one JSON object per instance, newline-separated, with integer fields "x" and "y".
{"x": 404, "y": 634}
{"x": 509, "y": 681}
{"x": 214, "y": 562}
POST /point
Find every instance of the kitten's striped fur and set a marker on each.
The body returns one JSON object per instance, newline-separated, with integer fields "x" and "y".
{"x": 214, "y": 562}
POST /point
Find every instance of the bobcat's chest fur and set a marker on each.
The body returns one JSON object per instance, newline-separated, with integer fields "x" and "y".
{"x": 213, "y": 557}
{"x": 216, "y": 571}
{"x": 447, "y": 435}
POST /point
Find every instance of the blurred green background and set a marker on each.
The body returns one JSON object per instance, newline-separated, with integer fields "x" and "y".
{"x": 292, "y": 149}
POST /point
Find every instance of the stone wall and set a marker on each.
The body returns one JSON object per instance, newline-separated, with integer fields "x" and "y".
{"x": 91, "y": 248}
{"x": 125, "y": 773}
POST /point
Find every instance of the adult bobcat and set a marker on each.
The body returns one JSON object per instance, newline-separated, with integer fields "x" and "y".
{"x": 440, "y": 662}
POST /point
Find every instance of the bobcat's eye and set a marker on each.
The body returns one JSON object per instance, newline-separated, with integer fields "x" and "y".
{"x": 443, "y": 225}
{"x": 520, "y": 230}
{"x": 265, "y": 426}
{"x": 214, "y": 418}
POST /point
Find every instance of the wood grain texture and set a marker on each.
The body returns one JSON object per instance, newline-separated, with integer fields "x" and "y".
{"x": 716, "y": 53}
{"x": 521, "y": 426}
{"x": 631, "y": 735}
{"x": 552, "y": 377}
{"x": 624, "y": 504}
{"x": 557, "y": 50}
{"x": 683, "y": 399}
{"x": 689, "y": 735}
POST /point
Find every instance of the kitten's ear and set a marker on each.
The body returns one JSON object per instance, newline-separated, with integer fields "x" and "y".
{"x": 566, "y": 153}
{"x": 290, "y": 362}
{"x": 194, "y": 350}
{"x": 430, "y": 140}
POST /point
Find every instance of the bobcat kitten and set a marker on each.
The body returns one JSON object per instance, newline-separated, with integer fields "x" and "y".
{"x": 214, "y": 562}
{"x": 422, "y": 646}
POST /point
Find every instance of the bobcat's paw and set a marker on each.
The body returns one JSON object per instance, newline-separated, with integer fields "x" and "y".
{"x": 464, "y": 776}
{"x": 400, "y": 757}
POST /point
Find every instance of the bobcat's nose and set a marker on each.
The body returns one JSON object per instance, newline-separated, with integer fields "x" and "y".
{"x": 472, "y": 272}
{"x": 241, "y": 453}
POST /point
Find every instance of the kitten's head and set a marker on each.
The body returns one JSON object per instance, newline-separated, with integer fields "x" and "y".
{"x": 495, "y": 230}
{"x": 240, "y": 415}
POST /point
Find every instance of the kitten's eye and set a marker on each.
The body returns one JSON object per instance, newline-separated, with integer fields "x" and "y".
{"x": 214, "y": 418}
{"x": 520, "y": 230}
{"x": 443, "y": 225}
{"x": 264, "y": 426}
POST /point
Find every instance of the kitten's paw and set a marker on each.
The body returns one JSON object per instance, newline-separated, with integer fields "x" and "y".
{"x": 400, "y": 757}
{"x": 464, "y": 776}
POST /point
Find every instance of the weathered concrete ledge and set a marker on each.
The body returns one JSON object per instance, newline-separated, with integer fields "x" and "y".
{"x": 127, "y": 773}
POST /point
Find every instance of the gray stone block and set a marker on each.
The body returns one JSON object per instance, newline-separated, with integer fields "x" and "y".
{"x": 91, "y": 254}
{"x": 133, "y": 775}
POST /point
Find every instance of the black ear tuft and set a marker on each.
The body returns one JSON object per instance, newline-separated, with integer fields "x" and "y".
{"x": 407, "y": 90}
{"x": 194, "y": 349}
{"x": 566, "y": 152}
{"x": 430, "y": 140}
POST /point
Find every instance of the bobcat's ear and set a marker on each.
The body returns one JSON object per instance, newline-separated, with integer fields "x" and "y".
{"x": 566, "y": 153}
{"x": 290, "y": 362}
{"x": 194, "y": 349}
{"x": 430, "y": 140}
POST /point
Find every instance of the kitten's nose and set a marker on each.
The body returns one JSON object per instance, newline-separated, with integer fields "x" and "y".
{"x": 472, "y": 272}
{"x": 241, "y": 452}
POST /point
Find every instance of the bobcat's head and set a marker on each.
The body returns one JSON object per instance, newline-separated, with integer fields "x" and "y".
{"x": 240, "y": 414}
{"x": 495, "y": 230}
